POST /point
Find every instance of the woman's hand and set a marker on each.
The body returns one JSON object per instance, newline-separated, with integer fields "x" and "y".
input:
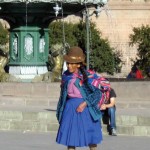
{"x": 103, "y": 107}
{"x": 81, "y": 107}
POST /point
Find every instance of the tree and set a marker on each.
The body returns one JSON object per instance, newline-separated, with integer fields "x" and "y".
{"x": 141, "y": 38}
{"x": 102, "y": 57}
{"x": 56, "y": 33}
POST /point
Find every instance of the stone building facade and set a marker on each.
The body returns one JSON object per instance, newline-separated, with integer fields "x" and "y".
{"x": 116, "y": 23}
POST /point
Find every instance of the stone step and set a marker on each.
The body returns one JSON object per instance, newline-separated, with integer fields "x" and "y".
{"x": 52, "y": 102}
{"x": 31, "y": 107}
{"x": 24, "y": 101}
{"x": 29, "y": 90}
{"x": 130, "y": 130}
{"x": 126, "y": 91}
{"x": 133, "y": 104}
{"x": 44, "y": 120}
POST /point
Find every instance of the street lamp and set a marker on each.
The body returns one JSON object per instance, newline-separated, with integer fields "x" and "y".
{"x": 87, "y": 21}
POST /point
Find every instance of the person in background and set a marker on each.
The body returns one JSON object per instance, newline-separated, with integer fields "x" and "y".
{"x": 108, "y": 109}
{"x": 77, "y": 111}
{"x": 135, "y": 73}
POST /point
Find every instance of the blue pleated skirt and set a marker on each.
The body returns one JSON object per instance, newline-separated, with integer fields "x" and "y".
{"x": 78, "y": 129}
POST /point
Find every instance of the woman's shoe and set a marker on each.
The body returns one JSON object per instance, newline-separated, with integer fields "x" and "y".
{"x": 71, "y": 148}
{"x": 93, "y": 147}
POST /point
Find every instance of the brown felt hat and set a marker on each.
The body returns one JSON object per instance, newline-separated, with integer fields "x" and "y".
{"x": 75, "y": 55}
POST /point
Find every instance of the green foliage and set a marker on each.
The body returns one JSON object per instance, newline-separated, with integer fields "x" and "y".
{"x": 141, "y": 38}
{"x": 118, "y": 62}
{"x": 102, "y": 57}
{"x": 3, "y": 35}
{"x": 56, "y": 33}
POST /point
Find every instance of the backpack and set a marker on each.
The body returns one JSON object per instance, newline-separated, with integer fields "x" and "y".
{"x": 104, "y": 85}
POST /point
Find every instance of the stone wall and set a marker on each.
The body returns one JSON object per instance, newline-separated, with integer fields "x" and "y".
{"x": 116, "y": 22}
{"x": 126, "y": 90}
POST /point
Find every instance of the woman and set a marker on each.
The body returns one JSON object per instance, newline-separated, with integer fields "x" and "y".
{"x": 77, "y": 110}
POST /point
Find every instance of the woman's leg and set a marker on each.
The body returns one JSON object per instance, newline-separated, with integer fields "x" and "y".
{"x": 71, "y": 148}
{"x": 92, "y": 146}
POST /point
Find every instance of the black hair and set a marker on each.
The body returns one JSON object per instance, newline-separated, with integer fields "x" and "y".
{"x": 83, "y": 71}
{"x": 134, "y": 69}
{"x": 85, "y": 77}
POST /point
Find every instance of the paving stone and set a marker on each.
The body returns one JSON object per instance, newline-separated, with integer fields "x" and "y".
{"x": 39, "y": 90}
{"x": 11, "y": 115}
{"x": 8, "y": 89}
{"x": 127, "y": 120}
{"x": 141, "y": 130}
{"x": 144, "y": 121}
{"x": 37, "y": 103}
{"x": 4, "y": 125}
{"x": 148, "y": 130}
{"x": 12, "y": 101}
{"x": 52, "y": 127}
{"x": 28, "y": 126}
{"x": 125, "y": 130}
{"x": 30, "y": 116}
{"x": 47, "y": 117}
{"x": 23, "y": 90}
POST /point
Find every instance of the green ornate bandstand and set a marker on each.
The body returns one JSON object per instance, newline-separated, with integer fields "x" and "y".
{"x": 29, "y": 38}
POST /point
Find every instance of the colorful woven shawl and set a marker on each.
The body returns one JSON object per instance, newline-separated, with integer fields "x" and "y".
{"x": 90, "y": 94}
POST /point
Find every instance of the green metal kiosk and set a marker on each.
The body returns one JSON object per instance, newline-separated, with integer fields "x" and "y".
{"x": 29, "y": 34}
{"x": 28, "y": 51}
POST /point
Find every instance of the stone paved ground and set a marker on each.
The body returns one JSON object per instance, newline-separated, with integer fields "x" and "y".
{"x": 46, "y": 141}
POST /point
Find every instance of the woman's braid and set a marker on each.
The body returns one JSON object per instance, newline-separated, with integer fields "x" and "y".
{"x": 85, "y": 78}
